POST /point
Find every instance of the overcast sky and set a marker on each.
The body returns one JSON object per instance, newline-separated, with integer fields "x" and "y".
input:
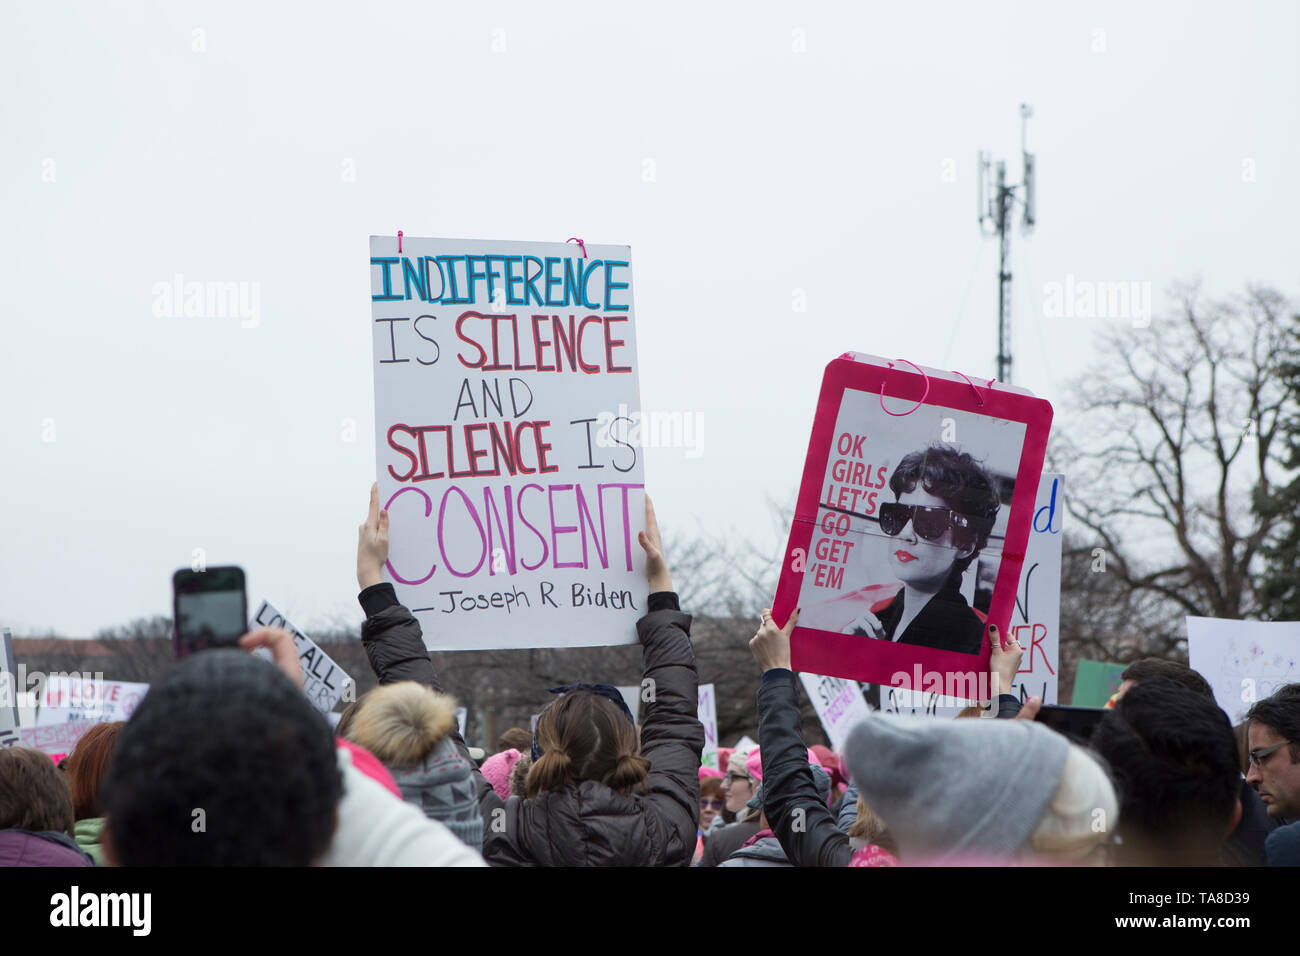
{"x": 743, "y": 150}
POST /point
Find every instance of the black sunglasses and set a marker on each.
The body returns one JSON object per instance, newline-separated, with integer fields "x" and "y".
{"x": 931, "y": 523}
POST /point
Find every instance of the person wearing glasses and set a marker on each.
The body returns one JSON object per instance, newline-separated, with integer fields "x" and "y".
{"x": 944, "y": 508}
{"x": 1273, "y": 734}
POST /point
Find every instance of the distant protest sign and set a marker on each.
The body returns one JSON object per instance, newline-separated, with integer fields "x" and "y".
{"x": 708, "y": 714}
{"x": 55, "y": 739}
{"x": 8, "y": 691}
{"x": 507, "y": 437}
{"x": 911, "y": 524}
{"x": 1244, "y": 661}
{"x": 839, "y": 704}
{"x": 1095, "y": 682}
{"x": 68, "y": 697}
{"x": 324, "y": 682}
{"x": 1035, "y": 616}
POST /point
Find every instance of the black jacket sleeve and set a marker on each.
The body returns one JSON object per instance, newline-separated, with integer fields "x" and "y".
{"x": 672, "y": 737}
{"x": 801, "y": 822}
{"x": 1008, "y": 706}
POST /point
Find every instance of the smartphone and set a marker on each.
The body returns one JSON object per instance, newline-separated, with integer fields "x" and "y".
{"x": 210, "y": 609}
{"x": 1077, "y": 723}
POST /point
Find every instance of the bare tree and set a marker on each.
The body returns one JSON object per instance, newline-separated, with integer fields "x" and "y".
{"x": 1175, "y": 441}
{"x": 140, "y": 650}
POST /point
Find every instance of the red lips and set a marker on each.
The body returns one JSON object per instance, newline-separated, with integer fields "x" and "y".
{"x": 904, "y": 556}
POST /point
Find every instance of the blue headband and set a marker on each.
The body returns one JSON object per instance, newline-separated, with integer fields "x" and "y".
{"x": 608, "y": 691}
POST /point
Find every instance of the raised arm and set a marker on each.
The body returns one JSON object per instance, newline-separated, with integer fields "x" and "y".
{"x": 391, "y": 635}
{"x": 800, "y": 820}
{"x": 672, "y": 737}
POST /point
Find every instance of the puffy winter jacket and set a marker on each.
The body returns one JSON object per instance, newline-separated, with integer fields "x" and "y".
{"x": 587, "y": 824}
{"x": 801, "y": 821}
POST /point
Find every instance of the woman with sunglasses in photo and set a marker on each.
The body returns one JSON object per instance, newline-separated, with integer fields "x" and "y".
{"x": 944, "y": 508}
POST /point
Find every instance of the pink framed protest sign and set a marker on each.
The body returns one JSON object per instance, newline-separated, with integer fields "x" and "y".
{"x": 911, "y": 524}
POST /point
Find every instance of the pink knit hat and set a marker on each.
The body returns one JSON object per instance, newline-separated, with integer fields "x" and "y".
{"x": 710, "y": 772}
{"x": 497, "y": 771}
{"x": 754, "y": 763}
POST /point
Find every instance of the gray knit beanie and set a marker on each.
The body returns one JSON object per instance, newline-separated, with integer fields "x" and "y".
{"x": 442, "y": 785}
{"x": 956, "y": 787}
{"x": 412, "y": 730}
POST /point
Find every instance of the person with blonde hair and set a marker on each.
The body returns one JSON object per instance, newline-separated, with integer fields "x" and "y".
{"x": 407, "y": 726}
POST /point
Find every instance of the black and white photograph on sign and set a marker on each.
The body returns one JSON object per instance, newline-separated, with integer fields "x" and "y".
{"x": 910, "y": 524}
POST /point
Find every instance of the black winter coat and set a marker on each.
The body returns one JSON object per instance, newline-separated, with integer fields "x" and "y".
{"x": 799, "y": 819}
{"x": 588, "y": 824}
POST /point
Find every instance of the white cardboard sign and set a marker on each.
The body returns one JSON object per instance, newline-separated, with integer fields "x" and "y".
{"x": 839, "y": 704}
{"x": 507, "y": 439}
{"x": 8, "y": 691}
{"x": 324, "y": 682}
{"x": 1244, "y": 661}
{"x": 65, "y": 698}
{"x": 708, "y": 714}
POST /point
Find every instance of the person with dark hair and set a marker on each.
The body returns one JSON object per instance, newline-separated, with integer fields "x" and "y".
{"x": 1245, "y": 845}
{"x": 594, "y": 797}
{"x": 944, "y": 508}
{"x": 227, "y": 763}
{"x": 1273, "y": 734}
{"x": 1174, "y": 759}
{"x": 85, "y": 769}
{"x": 224, "y": 763}
{"x": 36, "y": 816}
{"x": 1150, "y": 667}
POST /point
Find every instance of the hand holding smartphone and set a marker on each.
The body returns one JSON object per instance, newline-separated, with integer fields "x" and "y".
{"x": 210, "y": 609}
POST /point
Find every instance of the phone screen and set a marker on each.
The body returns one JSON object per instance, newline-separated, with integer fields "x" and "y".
{"x": 1077, "y": 723}
{"x": 211, "y": 609}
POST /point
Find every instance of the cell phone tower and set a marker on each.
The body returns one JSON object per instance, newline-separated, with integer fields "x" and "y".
{"x": 997, "y": 203}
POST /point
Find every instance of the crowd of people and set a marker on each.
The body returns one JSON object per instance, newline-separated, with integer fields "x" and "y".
{"x": 226, "y": 762}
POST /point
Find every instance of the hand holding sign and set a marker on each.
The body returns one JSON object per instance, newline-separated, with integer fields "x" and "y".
{"x": 1003, "y": 662}
{"x": 284, "y": 651}
{"x": 656, "y": 564}
{"x": 372, "y": 543}
{"x": 771, "y": 645}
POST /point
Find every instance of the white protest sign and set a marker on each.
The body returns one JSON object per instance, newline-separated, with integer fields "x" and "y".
{"x": 67, "y": 697}
{"x": 508, "y": 440}
{"x": 55, "y": 739}
{"x": 1243, "y": 661}
{"x": 708, "y": 714}
{"x": 324, "y": 682}
{"x": 8, "y": 691}
{"x": 839, "y": 704}
{"x": 1035, "y": 617}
